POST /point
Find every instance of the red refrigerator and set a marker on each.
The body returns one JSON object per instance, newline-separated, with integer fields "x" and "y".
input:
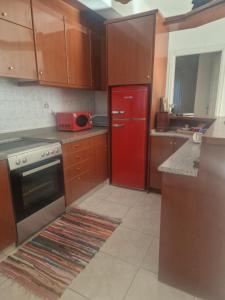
{"x": 129, "y": 135}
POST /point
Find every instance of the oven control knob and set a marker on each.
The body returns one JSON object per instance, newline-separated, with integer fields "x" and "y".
{"x": 24, "y": 160}
{"x": 42, "y": 154}
{"x": 47, "y": 153}
{"x": 18, "y": 162}
{"x": 56, "y": 150}
{"x": 52, "y": 152}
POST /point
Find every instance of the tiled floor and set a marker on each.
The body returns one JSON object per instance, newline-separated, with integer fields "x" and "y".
{"x": 126, "y": 267}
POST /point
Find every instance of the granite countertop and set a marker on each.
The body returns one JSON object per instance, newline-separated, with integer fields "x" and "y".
{"x": 51, "y": 134}
{"x": 182, "y": 161}
{"x": 170, "y": 133}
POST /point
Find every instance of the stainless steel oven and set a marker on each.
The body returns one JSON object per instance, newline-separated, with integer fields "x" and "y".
{"x": 37, "y": 188}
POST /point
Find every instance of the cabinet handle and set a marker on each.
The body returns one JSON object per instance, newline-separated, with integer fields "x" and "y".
{"x": 78, "y": 178}
{"x": 148, "y": 76}
{"x": 41, "y": 73}
{"x": 4, "y": 14}
{"x": 11, "y": 68}
{"x": 171, "y": 143}
{"x": 175, "y": 143}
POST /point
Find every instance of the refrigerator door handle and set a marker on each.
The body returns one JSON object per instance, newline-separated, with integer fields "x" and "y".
{"x": 118, "y": 125}
{"x": 122, "y": 112}
{"x": 115, "y": 112}
{"x": 128, "y": 97}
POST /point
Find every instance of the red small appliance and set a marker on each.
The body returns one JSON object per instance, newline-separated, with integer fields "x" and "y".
{"x": 74, "y": 121}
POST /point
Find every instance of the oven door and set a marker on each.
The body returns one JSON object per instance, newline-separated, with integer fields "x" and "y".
{"x": 36, "y": 186}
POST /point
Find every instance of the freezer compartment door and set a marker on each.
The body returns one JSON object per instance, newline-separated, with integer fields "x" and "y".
{"x": 129, "y": 153}
{"x": 128, "y": 102}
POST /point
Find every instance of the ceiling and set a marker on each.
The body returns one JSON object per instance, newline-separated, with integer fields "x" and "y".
{"x": 111, "y": 9}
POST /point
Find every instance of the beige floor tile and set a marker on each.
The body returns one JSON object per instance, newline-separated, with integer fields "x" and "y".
{"x": 110, "y": 209}
{"x": 105, "y": 278}
{"x": 128, "y": 245}
{"x": 71, "y": 295}
{"x": 90, "y": 203}
{"x": 9, "y": 250}
{"x": 150, "y": 200}
{"x": 144, "y": 220}
{"x": 126, "y": 197}
{"x": 2, "y": 255}
{"x": 147, "y": 287}
{"x": 104, "y": 192}
{"x": 13, "y": 291}
{"x": 151, "y": 259}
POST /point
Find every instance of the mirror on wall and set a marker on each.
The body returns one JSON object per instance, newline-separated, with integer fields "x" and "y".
{"x": 196, "y": 83}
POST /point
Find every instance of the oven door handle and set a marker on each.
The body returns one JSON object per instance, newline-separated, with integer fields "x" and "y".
{"x": 35, "y": 170}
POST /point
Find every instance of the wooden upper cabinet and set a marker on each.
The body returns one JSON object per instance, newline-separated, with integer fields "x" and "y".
{"x": 17, "y": 51}
{"x": 16, "y": 11}
{"x": 49, "y": 28}
{"x": 130, "y": 46}
{"x": 78, "y": 45}
{"x": 7, "y": 222}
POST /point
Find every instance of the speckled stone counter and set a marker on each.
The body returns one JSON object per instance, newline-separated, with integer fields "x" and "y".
{"x": 182, "y": 161}
{"x": 169, "y": 134}
{"x": 51, "y": 134}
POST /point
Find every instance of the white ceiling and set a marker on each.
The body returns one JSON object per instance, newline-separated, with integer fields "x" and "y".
{"x": 111, "y": 9}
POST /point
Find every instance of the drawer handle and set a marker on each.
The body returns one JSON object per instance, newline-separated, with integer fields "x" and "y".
{"x": 78, "y": 178}
{"x": 148, "y": 76}
{"x": 11, "y": 68}
{"x": 41, "y": 73}
{"x": 4, "y": 14}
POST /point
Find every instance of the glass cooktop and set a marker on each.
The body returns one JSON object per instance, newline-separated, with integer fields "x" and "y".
{"x": 19, "y": 144}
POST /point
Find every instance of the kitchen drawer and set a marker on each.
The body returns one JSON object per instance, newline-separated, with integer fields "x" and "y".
{"x": 76, "y": 146}
{"x": 100, "y": 140}
{"x": 76, "y": 157}
{"x": 76, "y": 170}
{"x": 77, "y": 187}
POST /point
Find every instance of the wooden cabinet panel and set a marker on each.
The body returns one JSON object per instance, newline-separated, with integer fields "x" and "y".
{"x": 161, "y": 148}
{"x": 179, "y": 244}
{"x": 17, "y": 51}
{"x": 78, "y": 44}
{"x": 49, "y": 30}
{"x": 7, "y": 222}
{"x": 82, "y": 174}
{"x": 130, "y": 50}
{"x": 16, "y": 11}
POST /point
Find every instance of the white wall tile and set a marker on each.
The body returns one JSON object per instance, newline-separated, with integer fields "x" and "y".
{"x": 24, "y": 108}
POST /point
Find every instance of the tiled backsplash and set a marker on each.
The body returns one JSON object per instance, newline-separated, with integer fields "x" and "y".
{"x": 31, "y": 107}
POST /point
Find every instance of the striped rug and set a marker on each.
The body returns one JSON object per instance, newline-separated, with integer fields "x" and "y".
{"x": 48, "y": 263}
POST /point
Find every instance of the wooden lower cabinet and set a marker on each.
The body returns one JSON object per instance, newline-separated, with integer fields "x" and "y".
{"x": 7, "y": 221}
{"x": 161, "y": 148}
{"x": 85, "y": 166}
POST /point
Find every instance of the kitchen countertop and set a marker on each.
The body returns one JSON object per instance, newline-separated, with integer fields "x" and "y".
{"x": 170, "y": 133}
{"x": 51, "y": 134}
{"x": 182, "y": 161}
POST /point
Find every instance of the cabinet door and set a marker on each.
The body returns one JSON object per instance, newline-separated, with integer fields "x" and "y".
{"x": 161, "y": 149}
{"x": 99, "y": 159}
{"x": 178, "y": 142}
{"x": 7, "y": 222}
{"x": 130, "y": 51}
{"x": 17, "y": 51}
{"x": 78, "y": 40}
{"x": 50, "y": 42}
{"x": 16, "y": 11}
